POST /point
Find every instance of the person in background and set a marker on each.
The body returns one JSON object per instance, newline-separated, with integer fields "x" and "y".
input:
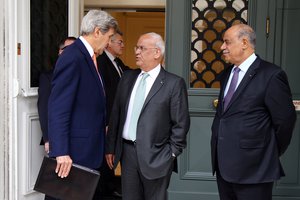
{"x": 76, "y": 105}
{"x": 111, "y": 68}
{"x": 148, "y": 124}
{"x": 44, "y": 91}
{"x": 254, "y": 120}
{"x": 64, "y": 43}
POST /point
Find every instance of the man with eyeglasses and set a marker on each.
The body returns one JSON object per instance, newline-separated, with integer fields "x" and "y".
{"x": 111, "y": 69}
{"x": 148, "y": 124}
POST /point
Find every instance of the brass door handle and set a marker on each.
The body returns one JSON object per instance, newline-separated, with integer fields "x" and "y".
{"x": 215, "y": 103}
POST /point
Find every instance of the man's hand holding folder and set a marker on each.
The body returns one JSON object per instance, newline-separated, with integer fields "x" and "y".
{"x": 73, "y": 183}
{"x": 63, "y": 167}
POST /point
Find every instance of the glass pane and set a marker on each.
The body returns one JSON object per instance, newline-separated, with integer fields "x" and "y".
{"x": 48, "y": 26}
{"x": 210, "y": 20}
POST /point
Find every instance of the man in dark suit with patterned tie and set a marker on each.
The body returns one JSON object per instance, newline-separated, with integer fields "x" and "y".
{"x": 111, "y": 68}
{"x": 254, "y": 121}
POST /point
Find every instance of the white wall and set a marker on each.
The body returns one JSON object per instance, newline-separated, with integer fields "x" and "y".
{"x": 76, "y": 8}
{"x": 2, "y": 113}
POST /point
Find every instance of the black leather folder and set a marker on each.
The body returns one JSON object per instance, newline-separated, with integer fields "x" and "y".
{"x": 80, "y": 184}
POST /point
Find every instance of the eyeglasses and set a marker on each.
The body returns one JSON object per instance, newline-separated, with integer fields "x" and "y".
{"x": 142, "y": 48}
{"x": 120, "y": 42}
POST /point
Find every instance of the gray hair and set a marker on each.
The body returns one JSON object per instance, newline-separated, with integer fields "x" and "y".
{"x": 97, "y": 18}
{"x": 246, "y": 31}
{"x": 159, "y": 42}
{"x": 118, "y": 32}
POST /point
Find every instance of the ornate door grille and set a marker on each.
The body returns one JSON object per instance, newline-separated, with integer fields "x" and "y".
{"x": 210, "y": 19}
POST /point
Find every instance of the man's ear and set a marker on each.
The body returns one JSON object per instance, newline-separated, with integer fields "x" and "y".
{"x": 245, "y": 43}
{"x": 157, "y": 54}
{"x": 97, "y": 32}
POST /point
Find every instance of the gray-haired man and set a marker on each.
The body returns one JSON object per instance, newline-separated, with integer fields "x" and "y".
{"x": 77, "y": 100}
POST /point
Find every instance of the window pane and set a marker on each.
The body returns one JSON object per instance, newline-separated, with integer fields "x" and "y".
{"x": 48, "y": 25}
{"x": 210, "y": 19}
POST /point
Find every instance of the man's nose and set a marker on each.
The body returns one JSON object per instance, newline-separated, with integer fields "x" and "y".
{"x": 223, "y": 46}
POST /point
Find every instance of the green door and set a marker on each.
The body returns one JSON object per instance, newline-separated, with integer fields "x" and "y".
{"x": 284, "y": 46}
{"x": 192, "y": 52}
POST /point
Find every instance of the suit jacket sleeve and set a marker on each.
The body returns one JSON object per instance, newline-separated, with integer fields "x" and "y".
{"x": 281, "y": 108}
{"x": 42, "y": 104}
{"x": 179, "y": 116}
{"x": 114, "y": 122}
{"x": 64, "y": 88}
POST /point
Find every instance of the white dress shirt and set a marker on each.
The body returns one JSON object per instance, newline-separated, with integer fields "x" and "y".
{"x": 244, "y": 68}
{"x": 87, "y": 46}
{"x": 149, "y": 82}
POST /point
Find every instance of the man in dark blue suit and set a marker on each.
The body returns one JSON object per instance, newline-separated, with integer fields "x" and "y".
{"x": 254, "y": 121}
{"x": 77, "y": 101}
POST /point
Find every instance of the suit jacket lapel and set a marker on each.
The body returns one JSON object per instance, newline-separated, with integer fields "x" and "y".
{"x": 223, "y": 79}
{"x": 129, "y": 87}
{"x": 245, "y": 81}
{"x": 90, "y": 62}
{"x": 158, "y": 83}
{"x": 111, "y": 67}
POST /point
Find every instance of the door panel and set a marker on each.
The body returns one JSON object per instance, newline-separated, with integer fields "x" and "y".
{"x": 27, "y": 153}
{"x": 286, "y": 54}
{"x": 35, "y": 37}
{"x": 194, "y": 180}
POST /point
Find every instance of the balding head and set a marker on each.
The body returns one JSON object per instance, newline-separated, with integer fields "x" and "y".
{"x": 149, "y": 51}
{"x": 239, "y": 43}
{"x": 245, "y": 30}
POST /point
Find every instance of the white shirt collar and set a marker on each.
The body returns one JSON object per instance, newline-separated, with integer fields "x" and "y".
{"x": 110, "y": 56}
{"x": 153, "y": 73}
{"x": 87, "y": 46}
{"x": 247, "y": 63}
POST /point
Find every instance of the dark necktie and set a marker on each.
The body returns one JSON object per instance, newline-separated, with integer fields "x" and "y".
{"x": 117, "y": 60}
{"x": 232, "y": 86}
